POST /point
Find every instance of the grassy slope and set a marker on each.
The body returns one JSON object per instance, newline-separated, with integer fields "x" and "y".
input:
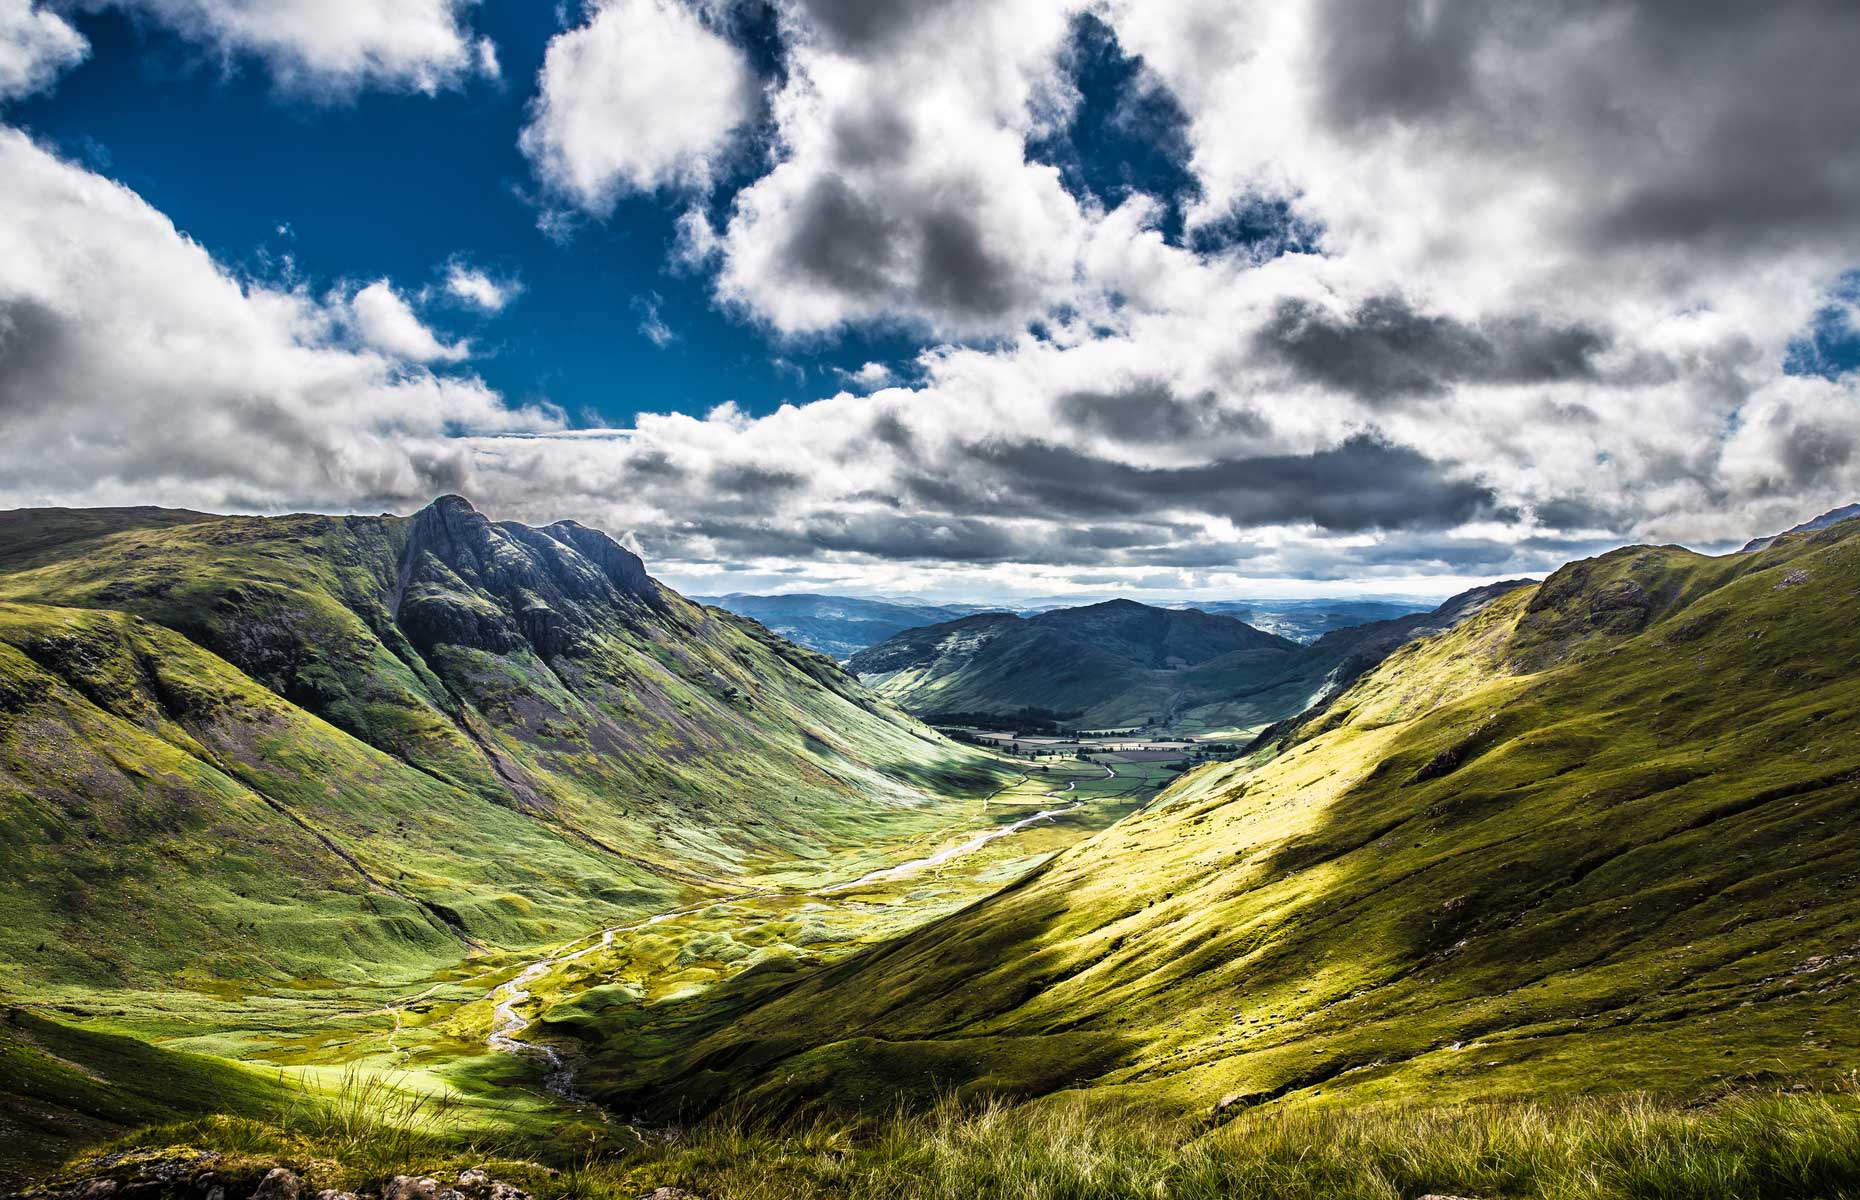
{"x": 223, "y": 758}
{"x": 1604, "y": 835}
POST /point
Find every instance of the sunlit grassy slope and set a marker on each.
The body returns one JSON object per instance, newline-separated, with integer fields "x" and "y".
{"x": 1605, "y": 835}
{"x": 263, "y": 748}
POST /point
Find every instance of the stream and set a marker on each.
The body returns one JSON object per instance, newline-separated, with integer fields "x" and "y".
{"x": 507, "y": 1023}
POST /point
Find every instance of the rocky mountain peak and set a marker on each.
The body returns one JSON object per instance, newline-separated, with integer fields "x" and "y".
{"x": 495, "y": 585}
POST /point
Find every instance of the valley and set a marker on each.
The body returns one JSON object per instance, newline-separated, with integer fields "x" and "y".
{"x": 1516, "y": 849}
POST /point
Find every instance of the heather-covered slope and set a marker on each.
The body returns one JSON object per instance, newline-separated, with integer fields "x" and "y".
{"x": 244, "y": 747}
{"x": 1604, "y": 835}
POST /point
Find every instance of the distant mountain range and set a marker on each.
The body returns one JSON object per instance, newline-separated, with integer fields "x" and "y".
{"x": 1121, "y": 664}
{"x": 844, "y": 625}
{"x": 1832, "y": 517}
{"x": 837, "y": 625}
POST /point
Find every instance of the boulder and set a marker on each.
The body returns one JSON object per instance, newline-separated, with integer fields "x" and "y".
{"x": 279, "y": 1183}
{"x": 411, "y": 1187}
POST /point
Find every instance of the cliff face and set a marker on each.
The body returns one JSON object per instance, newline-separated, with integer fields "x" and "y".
{"x": 549, "y": 588}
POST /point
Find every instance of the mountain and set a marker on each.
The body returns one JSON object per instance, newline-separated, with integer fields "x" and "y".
{"x": 837, "y": 625}
{"x": 247, "y": 747}
{"x": 1832, "y": 517}
{"x": 1604, "y": 835}
{"x": 1121, "y": 663}
{"x": 1306, "y": 621}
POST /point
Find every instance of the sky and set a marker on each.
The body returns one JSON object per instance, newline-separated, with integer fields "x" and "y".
{"x": 966, "y": 299}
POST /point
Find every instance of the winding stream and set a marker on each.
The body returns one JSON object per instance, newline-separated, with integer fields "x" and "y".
{"x": 507, "y": 1023}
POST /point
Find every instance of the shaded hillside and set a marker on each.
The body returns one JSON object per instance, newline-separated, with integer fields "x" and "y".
{"x": 837, "y": 625}
{"x": 238, "y": 746}
{"x": 1122, "y": 663}
{"x": 1603, "y": 835}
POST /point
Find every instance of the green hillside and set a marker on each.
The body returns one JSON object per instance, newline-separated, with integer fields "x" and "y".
{"x": 240, "y": 748}
{"x": 1604, "y": 835}
{"x": 1121, "y": 663}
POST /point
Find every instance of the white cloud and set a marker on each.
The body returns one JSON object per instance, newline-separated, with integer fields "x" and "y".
{"x": 133, "y": 368}
{"x": 871, "y": 376}
{"x": 316, "y": 46}
{"x": 1552, "y": 308}
{"x": 902, "y": 191}
{"x": 642, "y": 96}
{"x": 472, "y": 286}
{"x": 651, "y": 326}
{"x": 36, "y": 45}
{"x": 384, "y": 320}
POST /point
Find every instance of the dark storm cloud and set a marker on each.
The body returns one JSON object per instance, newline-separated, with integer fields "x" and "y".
{"x": 1638, "y": 117}
{"x": 1363, "y": 483}
{"x": 1152, "y": 412}
{"x": 1386, "y": 349}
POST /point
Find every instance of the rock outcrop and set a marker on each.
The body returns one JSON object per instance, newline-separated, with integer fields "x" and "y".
{"x": 496, "y": 586}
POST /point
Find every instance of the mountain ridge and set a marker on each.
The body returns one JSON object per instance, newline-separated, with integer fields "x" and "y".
{"x": 392, "y": 706}
{"x": 1110, "y": 664}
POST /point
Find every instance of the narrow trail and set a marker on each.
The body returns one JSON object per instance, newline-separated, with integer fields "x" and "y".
{"x": 507, "y": 1023}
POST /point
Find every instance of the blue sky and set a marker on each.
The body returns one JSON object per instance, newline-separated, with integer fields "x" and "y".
{"x": 398, "y": 184}
{"x": 957, "y": 298}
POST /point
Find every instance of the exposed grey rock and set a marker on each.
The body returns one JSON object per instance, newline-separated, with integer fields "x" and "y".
{"x": 411, "y": 1187}
{"x": 475, "y": 1182}
{"x": 671, "y": 1193}
{"x": 279, "y": 1183}
{"x": 333, "y": 1194}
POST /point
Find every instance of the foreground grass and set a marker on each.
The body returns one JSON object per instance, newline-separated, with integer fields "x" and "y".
{"x": 1748, "y": 1147}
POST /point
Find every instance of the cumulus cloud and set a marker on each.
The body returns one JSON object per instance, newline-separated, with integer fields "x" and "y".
{"x": 910, "y": 202}
{"x": 469, "y": 285}
{"x": 1465, "y": 290}
{"x": 384, "y": 320}
{"x": 642, "y": 96}
{"x": 132, "y": 366}
{"x": 36, "y": 46}
{"x": 311, "y": 45}
{"x": 869, "y": 376}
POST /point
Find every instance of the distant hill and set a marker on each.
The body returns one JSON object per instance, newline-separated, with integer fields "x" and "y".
{"x": 837, "y": 625}
{"x": 1602, "y": 836}
{"x": 248, "y": 747}
{"x": 1123, "y": 663}
{"x": 1833, "y": 517}
{"x": 1308, "y": 620}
